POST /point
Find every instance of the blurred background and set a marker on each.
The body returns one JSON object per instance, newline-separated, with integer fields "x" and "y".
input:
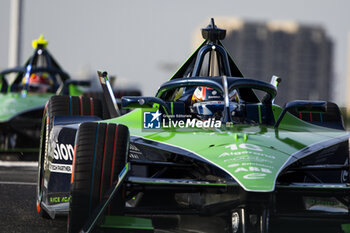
{"x": 143, "y": 43}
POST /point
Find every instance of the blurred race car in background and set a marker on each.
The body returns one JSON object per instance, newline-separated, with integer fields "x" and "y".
{"x": 24, "y": 92}
{"x": 211, "y": 145}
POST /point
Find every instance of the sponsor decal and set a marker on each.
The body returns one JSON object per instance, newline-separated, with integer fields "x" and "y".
{"x": 134, "y": 148}
{"x": 248, "y": 161}
{"x": 254, "y": 176}
{"x": 324, "y": 204}
{"x": 245, "y": 146}
{"x": 253, "y": 169}
{"x": 63, "y": 152}
{"x": 59, "y": 199}
{"x": 133, "y": 156}
{"x": 134, "y": 152}
{"x": 60, "y": 168}
{"x": 258, "y": 172}
{"x": 246, "y": 152}
{"x": 233, "y": 165}
{"x": 250, "y": 164}
{"x": 257, "y": 164}
{"x": 248, "y": 158}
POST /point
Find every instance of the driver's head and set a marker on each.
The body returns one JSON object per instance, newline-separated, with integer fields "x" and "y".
{"x": 39, "y": 82}
{"x": 207, "y": 103}
{"x": 205, "y": 94}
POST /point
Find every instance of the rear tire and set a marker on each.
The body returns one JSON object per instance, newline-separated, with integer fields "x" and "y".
{"x": 59, "y": 106}
{"x": 101, "y": 154}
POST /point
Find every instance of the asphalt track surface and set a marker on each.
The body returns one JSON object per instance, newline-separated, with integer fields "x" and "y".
{"x": 18, "y": 208}
{"x": 17, "y": 201}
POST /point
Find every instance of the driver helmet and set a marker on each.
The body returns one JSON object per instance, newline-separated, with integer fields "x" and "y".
{"x": 39, "y": 82}
{"x": 207, "y": 103}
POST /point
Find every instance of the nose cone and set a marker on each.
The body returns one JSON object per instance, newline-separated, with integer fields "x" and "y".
{"x": 254, "y": 167}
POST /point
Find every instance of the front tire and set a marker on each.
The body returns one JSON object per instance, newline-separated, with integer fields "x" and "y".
{"x": 101, "y": 154}
{"x": 59, "y": 106}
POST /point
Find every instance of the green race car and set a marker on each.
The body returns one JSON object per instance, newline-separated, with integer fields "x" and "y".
{"x": 211, "y": 145}
{"x": 24, "y": 92}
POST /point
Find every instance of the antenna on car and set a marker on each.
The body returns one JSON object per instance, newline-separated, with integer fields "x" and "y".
{"x": 217, "y": 54}
{"x": 112, "y": 105}
{"x": 212, "y": 32}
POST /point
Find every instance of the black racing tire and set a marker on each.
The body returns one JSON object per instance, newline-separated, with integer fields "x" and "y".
{"x": 60, "y": 106}
{"x": 101, "y": 154}
{"x": 73, "y": 106}
{"x": 40, "y": 183}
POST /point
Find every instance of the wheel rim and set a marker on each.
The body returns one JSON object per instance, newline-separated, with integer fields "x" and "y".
{"x": 235, "y": 222}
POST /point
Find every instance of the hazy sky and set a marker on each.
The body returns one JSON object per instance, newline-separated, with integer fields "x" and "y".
{"x": 136, "y": 39}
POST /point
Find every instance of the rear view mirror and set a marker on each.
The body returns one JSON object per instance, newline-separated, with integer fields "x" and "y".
{"x": 309, "y": 106}
{"x": 303, "y": 105}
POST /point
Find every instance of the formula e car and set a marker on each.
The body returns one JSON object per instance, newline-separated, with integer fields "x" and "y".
{"x": 211, "y": 145}
{"x": 24, "y": 92}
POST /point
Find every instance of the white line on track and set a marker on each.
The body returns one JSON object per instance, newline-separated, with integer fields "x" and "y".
{"x": 18, "y": 164}
{"x": 17, "y": 183}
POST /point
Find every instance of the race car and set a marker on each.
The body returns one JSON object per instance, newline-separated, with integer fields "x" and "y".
{"x": 211, "y": 146}
{"x": 24, "y": 92}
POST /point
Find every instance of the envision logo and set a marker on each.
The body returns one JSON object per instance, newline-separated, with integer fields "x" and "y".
{"x": 63, "y": 152}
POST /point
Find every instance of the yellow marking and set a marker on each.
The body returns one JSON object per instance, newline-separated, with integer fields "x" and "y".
{"x": 40, "y": 41}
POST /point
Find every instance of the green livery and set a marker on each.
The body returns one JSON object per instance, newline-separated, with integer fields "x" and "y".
{"x": 15, "y": 104}
{"x": 253, "y": 155}
{"x": 211, "y": 144}
{"x": 24, "y": 92}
